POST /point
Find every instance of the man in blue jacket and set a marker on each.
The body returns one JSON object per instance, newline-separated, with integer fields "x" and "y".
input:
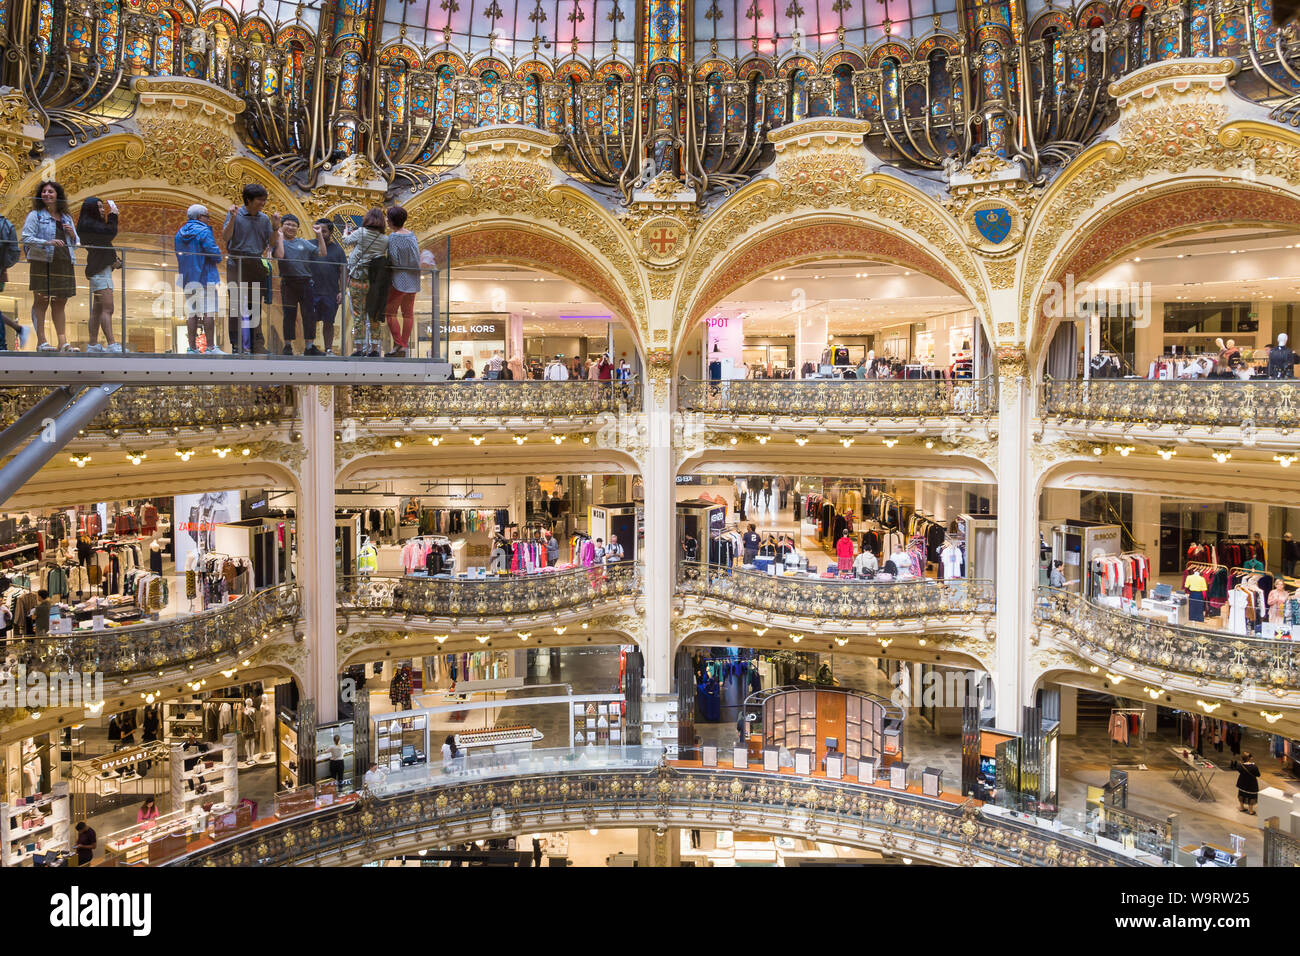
{"x": 198, "y": 255}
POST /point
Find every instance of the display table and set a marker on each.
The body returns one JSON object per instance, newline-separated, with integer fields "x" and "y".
{"x": 1196, "y": 772}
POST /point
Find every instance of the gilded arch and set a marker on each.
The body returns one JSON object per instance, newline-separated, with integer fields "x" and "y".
{"x": 823, "y": 187}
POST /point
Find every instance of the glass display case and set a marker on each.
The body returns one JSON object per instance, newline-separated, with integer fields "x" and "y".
{"x": 401, "y": 741}
{"x": 862, "y": 726}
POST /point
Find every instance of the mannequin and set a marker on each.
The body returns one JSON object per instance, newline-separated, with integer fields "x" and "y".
{"x": 1196, "y": 588}
{"x": 1277, "y": 598}
{"x": 1282, "y": 359}
{"x": 1229, "y": 357}
{"x": 248, "y": 729}
{"x": 31, "y": 769}
{"x": 155, "y": 557}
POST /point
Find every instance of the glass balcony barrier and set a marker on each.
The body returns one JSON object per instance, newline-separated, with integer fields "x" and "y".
{"x": 145, "y": 305}
{"x": 1197, "y": 652}
{"x": 841, "y": 398}
{"x": 1213, "y": 403}
{"x": 496, "y": 595}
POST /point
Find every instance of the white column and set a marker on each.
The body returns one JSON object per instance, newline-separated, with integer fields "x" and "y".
{"x": 660, "y": 529}
{"x": 810, "y": 336}
{"x": 515, "y": 335}
{"x": 1017, "y": 541}
{"x": 1069, "y": 710}
{"x": 316, "y": 549}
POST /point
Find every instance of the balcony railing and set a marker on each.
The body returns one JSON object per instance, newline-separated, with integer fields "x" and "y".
{"x": 836, "y": 398}
{"x": 197, "y": 639}
{"x": 847, "y": 600}
{"x": 1205, "y": 402}
{"x": 509, "y": 596}
{"x": 479, "y": 398}
{"x": 1198, "y": 653}
{"x": 170, "y": 406}
{"x": 563, "y": 790}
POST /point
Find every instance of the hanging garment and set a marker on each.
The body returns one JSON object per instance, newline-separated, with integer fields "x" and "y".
{"x": 1119, "y": 728}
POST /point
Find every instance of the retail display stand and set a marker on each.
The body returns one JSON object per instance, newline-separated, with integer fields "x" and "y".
{"x": 740, "y": 758}
{"x": 214, "y": 779}
{"x": 38, "y": 824}
{"x": 932, "y": 781}
{"x": 866, "y": 771}
{"x": 898, "y": 776}
{"x": 659, "y": 725}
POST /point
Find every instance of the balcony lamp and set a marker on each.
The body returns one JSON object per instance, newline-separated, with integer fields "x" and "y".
{"x": 1125, "y": 450}
{"x": 79, "y": 460}
{"x": 1271, "y": 718}
{"x": 801, "y": 440}
{"x": 1221, "y": 456}
{"x": 1166, "y": 453}
{"x": 1285, "y": 460}
{"x": 184, "y": 454}
{"x": 222, "y": 452}
{"x": 135, "y": 457}
{"x": 477, "y": 439}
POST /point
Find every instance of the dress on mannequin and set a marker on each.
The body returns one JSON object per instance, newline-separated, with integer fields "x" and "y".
{"x": 1237, "y": 611}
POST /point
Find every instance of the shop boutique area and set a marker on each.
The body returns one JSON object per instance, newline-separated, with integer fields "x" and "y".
{"x": 481, "y": 528}
{"x": 840, "y": 320}
{"x": 852, "y": 529}
{"x": 105, "y": 565}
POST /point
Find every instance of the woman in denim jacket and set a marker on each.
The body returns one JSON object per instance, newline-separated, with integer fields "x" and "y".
{"x": 48, "y": 238}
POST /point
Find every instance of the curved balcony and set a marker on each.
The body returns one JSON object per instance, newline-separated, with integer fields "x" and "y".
{"x": 906, "y": 402}
{"x": 170, "y": 406}
{"x": 558, "y": 790}
{"x": 501, "y": 401}
{"x": 1223, "y": 408}
{"x": 921, "y": 605}
{"x": 206, "y": 639}
{"x": 1196, "y": 660}
{"x": 498, "y": 601}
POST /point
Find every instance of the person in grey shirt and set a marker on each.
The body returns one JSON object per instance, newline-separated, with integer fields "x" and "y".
{"x": 404, "y": 257}
{"x": 247, "y": 235}
{"x": 295, "y": 255}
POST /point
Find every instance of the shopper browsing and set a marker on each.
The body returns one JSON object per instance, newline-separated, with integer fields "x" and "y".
{"x": 367, "y": 281}
{"x": 86, "y": 843}
{"x": 374, "y": 777}
{"x": 1247, "y": 783}
{"x": 335, "y": 752}
{"x": 148, "y": 812}
{"x": 750, "y": 542}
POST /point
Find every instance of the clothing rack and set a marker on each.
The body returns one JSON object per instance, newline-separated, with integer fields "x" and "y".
{"x": 1125, "y": 713}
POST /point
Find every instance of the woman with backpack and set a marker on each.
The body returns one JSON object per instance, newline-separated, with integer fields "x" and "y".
{"x": 367, "y": 282}
{"x": 97, "y": 226}
{"x": 49, "y": 238}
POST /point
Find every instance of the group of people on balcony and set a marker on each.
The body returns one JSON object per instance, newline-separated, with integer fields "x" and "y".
{"x": 377, "y": 265}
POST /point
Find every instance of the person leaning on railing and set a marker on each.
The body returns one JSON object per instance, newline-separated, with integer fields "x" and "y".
{"x": 367, "y": 280}
{"x": 247, "y": 234}
{"x": 197, "y": 259}
{"x": 404, "y": 256}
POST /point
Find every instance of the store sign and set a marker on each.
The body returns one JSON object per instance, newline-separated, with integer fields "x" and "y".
{"x": 689, "y": 480}
{"x": 474, "y": 329}
{"x": 124, "y": 758}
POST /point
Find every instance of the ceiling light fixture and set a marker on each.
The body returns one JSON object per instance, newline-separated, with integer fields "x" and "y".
{"x": 184, "y": 454}
{"x": 397, "y": 443}
{"x": 1271, "y": 718}
{"x": 846, "y": 442}
{"x": 482, "y": 638}
{"x": 801, "y": 440}
{"x": 477, "y": 439}
{"x": 1166, "y": 453}
{"x": 1125, "y": 450}
{"x": 796, "y": 638}
{"x": 1208, "y": 708}
{"x": 79, "y": 460}
{"x": 520, "y": 439}
{"x": 1221, "y": 456}
{"x": 223, "y": 451}
{"x": 1286, "y": 461}
{"x": 135, "y": 457}
{"x": 435, "y": 440}
{"x": 1096, "y": 449}
{"x": 559, "y": 439}
{"x": 889, "y": 442}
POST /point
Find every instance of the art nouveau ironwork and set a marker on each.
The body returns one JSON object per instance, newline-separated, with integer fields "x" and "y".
{"x": 491, "y": 399}
{"x": 1201, "y": 654}
{"x": 455, "y": 810}
{"x": 835, "y": 398}
{"x": 635, "y": 88}
{"x": 509, "y": 596}
{"x": 1208, "y": 402}
{"x": 146, "y": 406}
{"x": 196, "y": 639}
{"x": 848, "y": 600}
